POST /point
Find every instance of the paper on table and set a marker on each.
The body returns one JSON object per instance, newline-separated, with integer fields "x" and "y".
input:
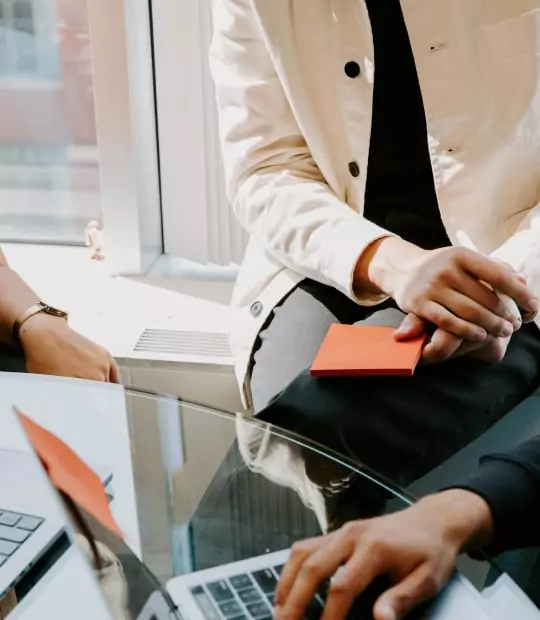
{"x": 362, "y": 350}
{"x": 504, "y": 599}
{"x": 70, "y": 474}
{"x": 459, "y": 600}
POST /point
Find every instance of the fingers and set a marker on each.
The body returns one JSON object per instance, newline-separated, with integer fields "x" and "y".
{"x": 299, "y": 553}
{"x": 500, "y": 278}
{"x": 441, "y": 317}
{"x": 421, "y": 585}
{"x": 114, "y": 372}
{"x": 442, "y": 347}
{"x": 310, "y": 572}
{"x": 350, "y": 581}
{"x": 411, "y": 327}
{"x": 472, "y": 312}
{"x": 493, "y": 351}
{"x": 485, "y": 297}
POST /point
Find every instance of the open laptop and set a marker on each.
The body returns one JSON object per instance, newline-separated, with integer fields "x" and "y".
{"x": 52, "y": 578}
{"x": 30, "y": 525}
{"x": 43, "y": 573}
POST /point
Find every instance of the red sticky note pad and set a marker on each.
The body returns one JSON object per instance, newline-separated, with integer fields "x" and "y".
{"x": 70, "y": 474}
{"x": 362, "y": 351}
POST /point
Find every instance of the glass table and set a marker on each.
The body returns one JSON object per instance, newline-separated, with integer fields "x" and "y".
{"x": 214, "y": 488}
{"x": 196, "y": 489}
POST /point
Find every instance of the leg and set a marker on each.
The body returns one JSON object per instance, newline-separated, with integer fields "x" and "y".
{"x": 403, "y": 427}
{"x": 290, "y": 340}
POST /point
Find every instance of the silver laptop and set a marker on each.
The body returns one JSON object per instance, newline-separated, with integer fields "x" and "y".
{"x": 245, "y": 590}
{"x": 30, "y": 525}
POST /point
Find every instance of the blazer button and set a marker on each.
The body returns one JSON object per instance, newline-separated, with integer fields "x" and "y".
{"x": 352, "y": 69}
{"x": 354, "y": 169}
{"x": 256, "y": 309}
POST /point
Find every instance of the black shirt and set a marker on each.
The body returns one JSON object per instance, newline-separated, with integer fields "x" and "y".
{"x": 400, "y": 191}
{"x": 510, "y": 484}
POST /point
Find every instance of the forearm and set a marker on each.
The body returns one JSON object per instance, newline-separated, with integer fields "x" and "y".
{"x": 382, "y": 263}
{"x": 465, "y": 519}
{"x": 15, "y": 297}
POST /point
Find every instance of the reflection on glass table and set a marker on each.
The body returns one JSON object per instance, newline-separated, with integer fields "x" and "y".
{"x": 221, "y": 500}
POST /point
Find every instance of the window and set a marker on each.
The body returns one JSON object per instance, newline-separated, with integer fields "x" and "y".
{"x": 49, "y": 172}
{"x": 198, "y": 222}
{"x": 27, "y": 40}
{"x": 79, "y": 128}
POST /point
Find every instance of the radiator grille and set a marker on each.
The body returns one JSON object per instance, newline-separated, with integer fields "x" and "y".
{"x": 190, "y": 343}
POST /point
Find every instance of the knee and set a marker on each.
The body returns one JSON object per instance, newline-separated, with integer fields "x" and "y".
{"x": 310, "y": 406}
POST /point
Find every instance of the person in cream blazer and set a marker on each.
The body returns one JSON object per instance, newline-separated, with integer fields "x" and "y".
{"x": 385, "y": 159}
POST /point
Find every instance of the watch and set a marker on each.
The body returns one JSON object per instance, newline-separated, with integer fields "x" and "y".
{"x": 32, "y": 311}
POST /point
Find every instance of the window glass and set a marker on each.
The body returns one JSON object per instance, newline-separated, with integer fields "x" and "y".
{"x": 49, "y": 170}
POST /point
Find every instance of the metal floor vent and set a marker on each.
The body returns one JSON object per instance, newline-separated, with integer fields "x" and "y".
{"x": 175, "y": 342}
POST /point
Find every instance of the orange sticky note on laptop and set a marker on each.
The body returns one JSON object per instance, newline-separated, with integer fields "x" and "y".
{"x": 70, "y": 474}
{"x": 364, "y": 350}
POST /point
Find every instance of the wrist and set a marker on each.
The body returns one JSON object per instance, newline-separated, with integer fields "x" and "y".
{"x": 384, "y": 263}
{"x": 39, "y": 326}
{"x": 466, "y": 518}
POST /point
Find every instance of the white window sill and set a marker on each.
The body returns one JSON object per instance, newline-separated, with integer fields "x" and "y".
{"x": 115, "y": 311}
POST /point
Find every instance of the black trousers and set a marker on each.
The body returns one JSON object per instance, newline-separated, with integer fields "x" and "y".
{"x": 11, "y": 360}
{"x": 401, "y": 427}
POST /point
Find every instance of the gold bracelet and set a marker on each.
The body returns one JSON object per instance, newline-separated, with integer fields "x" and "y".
{"x": 32, "y": 311}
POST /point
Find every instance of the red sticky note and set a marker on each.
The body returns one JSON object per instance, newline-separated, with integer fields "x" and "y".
{"x": 70, "y": 474}
{"x": 361, "y": 350}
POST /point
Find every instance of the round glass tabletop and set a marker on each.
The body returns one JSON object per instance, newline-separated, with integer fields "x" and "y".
{"x": 214, "y": 488}
{"x": 209, "y": 502}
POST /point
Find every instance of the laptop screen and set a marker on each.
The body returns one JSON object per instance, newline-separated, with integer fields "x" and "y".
{"x": 56, "y": 561}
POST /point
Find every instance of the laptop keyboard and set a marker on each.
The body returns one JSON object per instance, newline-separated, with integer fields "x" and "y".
{"x": 247, "y": 596}
{"x": 15, "y": 529}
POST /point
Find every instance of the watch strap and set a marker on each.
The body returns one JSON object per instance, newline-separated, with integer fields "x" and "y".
{"x": 32, "y": 311}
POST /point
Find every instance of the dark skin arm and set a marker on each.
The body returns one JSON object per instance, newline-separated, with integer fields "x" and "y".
{"x": 50, "y": 346}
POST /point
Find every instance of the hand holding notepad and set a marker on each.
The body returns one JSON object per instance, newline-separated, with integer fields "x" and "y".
{"x": 362, "y": 351}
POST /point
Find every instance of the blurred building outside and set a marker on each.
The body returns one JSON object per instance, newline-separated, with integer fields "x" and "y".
{"x": 49, "y": 169}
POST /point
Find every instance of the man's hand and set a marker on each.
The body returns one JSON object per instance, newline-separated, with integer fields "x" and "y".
{"x": 443, "y": 346}
{"x": 51, "y": 347}
{"x": 417, "y": 548}
{"x": 446, "y": 287}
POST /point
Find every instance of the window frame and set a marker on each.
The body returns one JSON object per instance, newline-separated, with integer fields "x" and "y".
{"x": 123, "y": 88}
{"x": 123, "y": 78}
{"x": 198, "y": 222}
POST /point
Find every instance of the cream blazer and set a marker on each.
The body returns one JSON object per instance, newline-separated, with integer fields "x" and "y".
{"x": 295, "y": 134}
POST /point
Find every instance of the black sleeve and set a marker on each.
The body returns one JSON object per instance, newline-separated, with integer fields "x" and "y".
{"x": 510, "y": 484}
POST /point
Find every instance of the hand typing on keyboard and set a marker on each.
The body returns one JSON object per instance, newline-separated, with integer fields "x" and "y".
{"x": 416, "y": 548}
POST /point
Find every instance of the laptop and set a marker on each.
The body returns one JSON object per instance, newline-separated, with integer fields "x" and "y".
{"x": 29, "y": 521}
{"x": 43, "y": 573}
{"x": 30, "y": 525}
{"x": 48, "y": 574}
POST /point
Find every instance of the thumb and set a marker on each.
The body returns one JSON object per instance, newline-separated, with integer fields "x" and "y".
{"x": 411, "y": 327}
{"x": 418, "y": 587}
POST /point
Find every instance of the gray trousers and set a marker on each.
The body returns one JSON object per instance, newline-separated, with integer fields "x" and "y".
{"x": 400, "y": 426}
